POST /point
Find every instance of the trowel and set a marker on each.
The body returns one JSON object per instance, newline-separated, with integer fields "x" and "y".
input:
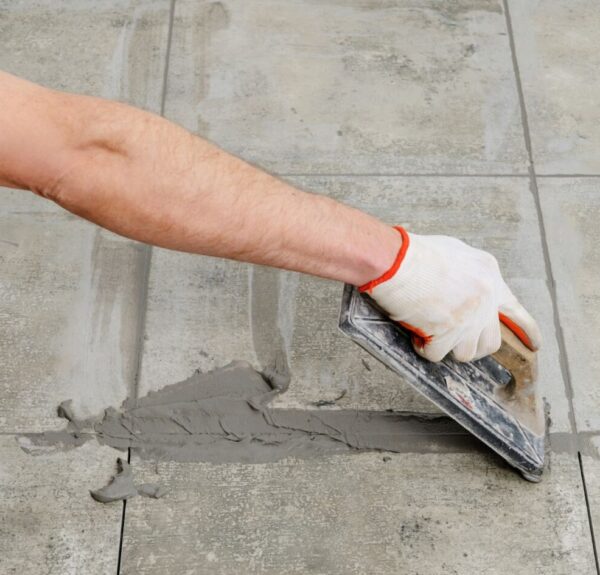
{"x": 494, "y": 398}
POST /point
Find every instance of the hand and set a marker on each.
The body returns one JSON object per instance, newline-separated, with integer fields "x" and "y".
{"x": 452, "y": 298}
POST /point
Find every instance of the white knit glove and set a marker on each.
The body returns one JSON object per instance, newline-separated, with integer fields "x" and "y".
{"x": 451, "y": 297}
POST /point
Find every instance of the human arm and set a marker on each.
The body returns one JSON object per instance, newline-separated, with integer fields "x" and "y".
{"x": 146, "y": 178}
{"x": 143, "y": 177}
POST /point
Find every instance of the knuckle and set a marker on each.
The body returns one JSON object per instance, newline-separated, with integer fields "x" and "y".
{"x": 495, "y": 346}
{"x": 463, "y": 356}
{"x": 431, "y": 353}
{"x": 491, "y": 261}
{"x": 486, "y": 287}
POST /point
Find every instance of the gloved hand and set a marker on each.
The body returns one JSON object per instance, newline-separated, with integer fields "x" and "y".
{"x": 451, "y": 297}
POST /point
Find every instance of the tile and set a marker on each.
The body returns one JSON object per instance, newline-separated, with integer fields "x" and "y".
{"x": 200, "y": 311}
{"x": 312, "y": 86}
{"x": 69, "y": 292}
{"x": 49, "y": 524}
{"x": 69, "y": 307}
{"x": 558, "y": 51}
{"x": 571, "y": 209}
{"x": 417, "y": 513}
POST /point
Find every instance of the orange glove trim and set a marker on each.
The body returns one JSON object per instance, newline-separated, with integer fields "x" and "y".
{"x": 418, "y": 336}
{"x": 368, "y": 287}
{"x": 517, "y": 330}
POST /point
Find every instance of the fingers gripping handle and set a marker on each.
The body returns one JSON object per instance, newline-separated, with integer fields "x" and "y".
{"x": 519, "y": 396}
{"x": 516, "y": 330}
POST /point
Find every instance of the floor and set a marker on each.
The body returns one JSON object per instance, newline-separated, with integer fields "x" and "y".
{"x": 476, "y": 118}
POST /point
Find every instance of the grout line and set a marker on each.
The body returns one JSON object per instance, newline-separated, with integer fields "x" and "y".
{"x": 589, "y": 511}
{"x": 144, "y": 281}
{"x": 163, "y": 95}
{"x": 121, "y": 537}
{"x": 144, "y": 276}
{"x": 146, "y": 255}
{"x": 568, "y": 175}
{"x": 122, "y": 534}
{"x": 563, "y": 357}
{"x": 424, "y": 175}
{"x": 393, "y": 175}
{"x": 519, "y": 86}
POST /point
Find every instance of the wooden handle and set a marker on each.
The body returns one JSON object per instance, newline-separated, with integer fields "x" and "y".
{"x": 517, "y": 358}
{"x": 520, "y": 394}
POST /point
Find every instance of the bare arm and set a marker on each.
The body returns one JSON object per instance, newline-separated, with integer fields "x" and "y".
{"x": 145, "y": 178}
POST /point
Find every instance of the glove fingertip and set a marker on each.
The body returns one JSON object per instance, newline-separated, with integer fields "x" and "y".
{"x": 430, "y": 353}
{"x": 530, "y": 336}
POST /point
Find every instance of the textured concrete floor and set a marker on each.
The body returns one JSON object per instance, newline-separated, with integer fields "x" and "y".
{"x": 448, "y": 116}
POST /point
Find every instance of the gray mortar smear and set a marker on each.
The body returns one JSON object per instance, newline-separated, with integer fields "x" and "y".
{"x": 224, "y": 416}
{"x": 121, "y": 487}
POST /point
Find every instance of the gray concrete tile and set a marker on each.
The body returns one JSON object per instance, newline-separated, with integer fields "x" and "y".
{"x": 571, "y": 209}
{"x": 417, "y": 513}
{"x": 49, "y": 524}
{"x": 109, "y": 48}
{"x": 69, "y": 306}
{"x": 312, "y": 86}
{"x": 558, "y": 50}
{"x": 69, "y": 292}
{"x": 204, "y": 312}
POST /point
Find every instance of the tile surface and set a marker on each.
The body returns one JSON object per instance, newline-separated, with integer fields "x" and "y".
{"x": 571, "y": 209}
{"x": 417, "y": 513}
{"x": 558, "y": 51}
{"x": 69, "y": 303}
{"x": 49, "y": 524}
{"x": 309, "y": 86}
{"x": 305, "y": 87}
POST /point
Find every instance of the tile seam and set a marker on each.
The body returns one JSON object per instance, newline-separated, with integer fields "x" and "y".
{"x": 589, "y": 511}
{"x": 146, "y": 256}
{"x": 550, "y": 280}
{"x": 144, "y": 279}
{"x": 394, "y": 175}
{"x": 122, "y": 533}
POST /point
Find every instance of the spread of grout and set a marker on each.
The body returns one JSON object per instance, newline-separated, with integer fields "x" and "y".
{"x": 225, "y": 416}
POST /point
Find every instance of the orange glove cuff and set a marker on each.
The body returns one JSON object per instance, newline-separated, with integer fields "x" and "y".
{"x": 368, "y": 287}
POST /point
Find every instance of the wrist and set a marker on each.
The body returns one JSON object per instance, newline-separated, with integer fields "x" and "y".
{"x": 386, "y": 258}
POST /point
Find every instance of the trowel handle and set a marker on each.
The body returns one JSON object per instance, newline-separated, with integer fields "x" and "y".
{"x": 517, "y": 358}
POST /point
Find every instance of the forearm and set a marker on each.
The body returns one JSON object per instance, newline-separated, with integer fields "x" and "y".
{"x": 146, "y": 178}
